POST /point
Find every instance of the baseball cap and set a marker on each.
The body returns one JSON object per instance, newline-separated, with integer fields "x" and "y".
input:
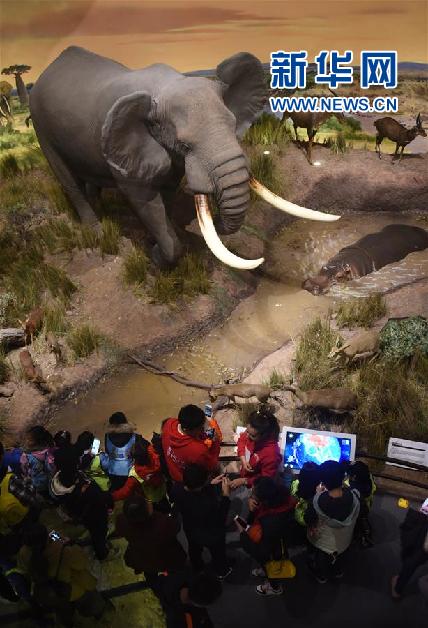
{"x": 424, "y": 507}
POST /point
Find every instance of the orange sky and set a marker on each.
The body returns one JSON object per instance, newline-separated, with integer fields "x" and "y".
{"x": 195, "y": 34}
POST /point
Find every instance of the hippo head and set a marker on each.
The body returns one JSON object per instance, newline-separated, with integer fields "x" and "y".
{"x": 318, "y": 284}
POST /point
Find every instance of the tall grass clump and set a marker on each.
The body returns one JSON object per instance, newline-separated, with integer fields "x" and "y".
{"x": 264, "y": 169}
{"x": 135, "y": 267}
{"x": 338, "y": 144}
{"x": 276, "y": 380}
{"x": 9, "y": 167}
{"x": 267, "y": 131}
{"x": 109, "y": 240}
{"x": 54, "y": 318}
{"x": 83, "y": 341}
{"x": 393, "y": 401}
{"x": 188, "y": 279}
{"x": 313, "y": 367}
{"x": 362, "y": 312}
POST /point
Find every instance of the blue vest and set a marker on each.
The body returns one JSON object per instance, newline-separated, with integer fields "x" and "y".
{"x": 119, "y": 458}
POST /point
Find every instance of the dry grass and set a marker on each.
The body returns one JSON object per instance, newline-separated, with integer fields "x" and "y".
{"x": 83, "y": 341}
{"x": 135, "y": 267}
{"x": 188, "y": 279}
{"x": 276, "y": 380}
{"x": 109, "y": 241}
{"x": 393, "y": 401}
{"x": 4, "y": 368}
{"x": 267, "y": 131}
{"x": 313, "y": 367}
{"x": 363, "y": 312}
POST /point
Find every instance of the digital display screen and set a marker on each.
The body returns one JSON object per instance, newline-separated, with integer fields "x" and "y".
{"x": 301, "y": 447}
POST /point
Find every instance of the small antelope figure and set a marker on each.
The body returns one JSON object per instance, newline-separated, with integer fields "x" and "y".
{"x": 311, "y": 122}
{"x": 396, "y": 132}
{"x": 32, "y": 324}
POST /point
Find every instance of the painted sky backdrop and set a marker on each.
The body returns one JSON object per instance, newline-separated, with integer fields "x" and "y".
{"x": 198, "y": 34}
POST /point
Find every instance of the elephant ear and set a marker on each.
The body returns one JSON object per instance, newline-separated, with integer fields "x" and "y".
{"x": 126, "y": 143}
{"x": 245, "y": 88}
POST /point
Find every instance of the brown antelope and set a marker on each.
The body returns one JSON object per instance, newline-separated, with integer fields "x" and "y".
{"x": 396, "y": 132}
{"x": 311, "y": 122}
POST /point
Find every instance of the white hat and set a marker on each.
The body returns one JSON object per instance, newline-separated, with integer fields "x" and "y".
{"x": 424, "y": 507}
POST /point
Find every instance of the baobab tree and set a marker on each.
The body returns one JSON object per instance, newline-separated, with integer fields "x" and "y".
{"x": 18, "y": 71}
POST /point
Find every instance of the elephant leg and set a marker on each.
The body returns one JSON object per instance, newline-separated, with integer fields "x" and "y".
{"x": 153, "y": 215}
{"x": 71, "y": 185}
{"x": 93, "y": 194}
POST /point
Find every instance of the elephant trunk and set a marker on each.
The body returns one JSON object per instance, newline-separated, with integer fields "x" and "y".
{"x": 232, "y": 191}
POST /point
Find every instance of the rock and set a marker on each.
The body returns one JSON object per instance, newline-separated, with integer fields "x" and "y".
{"x": 12, "y": 337}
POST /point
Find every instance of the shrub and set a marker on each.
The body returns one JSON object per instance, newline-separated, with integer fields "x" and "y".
{"x": 135, "y": 266}
{"x": 313, "y": 367}
{"x": 401, "y": 338}
{"x": 362, "y": 312}
{"x": 83, "y": 341}
{"x": 110, "y": 237}
{"x": 9, "y": 167}
{"x": 338, "y": 144}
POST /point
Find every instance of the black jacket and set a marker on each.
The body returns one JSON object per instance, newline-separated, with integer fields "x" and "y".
{"x": 204, "y": 512}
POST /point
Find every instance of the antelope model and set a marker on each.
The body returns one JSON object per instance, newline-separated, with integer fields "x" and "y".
{"x": 396, "y": 132}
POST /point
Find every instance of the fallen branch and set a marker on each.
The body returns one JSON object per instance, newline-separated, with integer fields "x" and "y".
{"x": 12, "y": 337}
{"x": 157, "y": 370}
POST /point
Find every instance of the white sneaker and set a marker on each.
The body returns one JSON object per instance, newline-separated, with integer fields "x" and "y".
{"x": 258, "y": 572}
{"x": 266, "y": 590}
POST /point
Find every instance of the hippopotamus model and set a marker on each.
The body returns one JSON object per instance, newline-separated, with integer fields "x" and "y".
{"x": 370, "y": 253}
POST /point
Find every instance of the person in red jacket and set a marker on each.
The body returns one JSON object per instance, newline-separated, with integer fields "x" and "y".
{"x": 145, "y": 476}
{"x": 190, "y": 439}
{"x": 258, "y": 449}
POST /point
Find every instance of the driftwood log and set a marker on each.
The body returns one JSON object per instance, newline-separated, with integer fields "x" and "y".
{"x": 12, "y": 337}
{"x": 157, "y": 370}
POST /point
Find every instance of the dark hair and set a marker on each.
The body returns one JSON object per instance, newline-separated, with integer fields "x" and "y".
{"x": 332, "y": 474}
{"x": 62, "y": 438}
{"x": 204, "y": 589}
{"x": 141, "y": 450}
{"x": 66, "y": 461}
{"x": 117, "y": 418}
{"x": 360, "y": 478}
{"x": 195, "y": 476}
{"x": 270, "y": 492}
{"x": 40, "y": 436}
{"x": 1, "y": 450}
{"x": 191, "y": 417}
{"x": 265, "y": 422}
{"x": 309, "y": 478}
{"x": 135, "y": 509}
{"x": 84, "y": 441}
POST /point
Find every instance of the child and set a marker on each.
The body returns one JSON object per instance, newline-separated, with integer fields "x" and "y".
{"x": 145, "y": 476}
{"x": 90, "y": 463}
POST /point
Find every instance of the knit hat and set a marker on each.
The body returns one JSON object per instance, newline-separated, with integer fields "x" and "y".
{"x": 424, "y": 507}
{"x": 117, "y": 418}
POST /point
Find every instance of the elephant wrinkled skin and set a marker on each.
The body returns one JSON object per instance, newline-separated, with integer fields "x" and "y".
{"x": 143, "y": 130}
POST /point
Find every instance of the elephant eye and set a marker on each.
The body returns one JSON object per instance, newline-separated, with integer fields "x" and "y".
{"x": 184, "y": 148}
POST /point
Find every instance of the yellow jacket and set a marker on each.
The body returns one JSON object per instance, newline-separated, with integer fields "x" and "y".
{"x": 12, "y": 511}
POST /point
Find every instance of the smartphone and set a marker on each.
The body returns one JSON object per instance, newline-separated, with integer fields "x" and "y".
{"x": 241, "y": 522}
{"x": 54, "y": 536}
{"x": 95, "y": 446}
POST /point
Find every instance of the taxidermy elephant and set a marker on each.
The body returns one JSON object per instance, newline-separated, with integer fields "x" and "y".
{"x": 368, "y": 254}
{"x": 143, "y": 130}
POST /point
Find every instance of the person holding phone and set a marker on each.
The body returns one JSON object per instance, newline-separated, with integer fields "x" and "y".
{"x": 88, "y": 448}
{"x": 204, "y": 510}
{"x": 263, "y": 536}
{"x": 190, "y": 439}
{"x": 258, "y": 449}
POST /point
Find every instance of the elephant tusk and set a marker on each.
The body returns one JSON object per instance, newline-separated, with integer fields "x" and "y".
{"x": 286, "y": 206}
{"x": 213, "y": 241}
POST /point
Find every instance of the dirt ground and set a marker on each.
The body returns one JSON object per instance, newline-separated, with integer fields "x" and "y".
{"x": 355, "y": 181}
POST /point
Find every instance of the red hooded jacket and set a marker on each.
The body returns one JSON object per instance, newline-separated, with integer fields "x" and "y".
{"x": 151, "y": 475}
{"x": 181, "y": 450}
{"x": 263, "y": 456}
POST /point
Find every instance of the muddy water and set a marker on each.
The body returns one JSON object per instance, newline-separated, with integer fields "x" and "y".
{"x": 261, "y": 324}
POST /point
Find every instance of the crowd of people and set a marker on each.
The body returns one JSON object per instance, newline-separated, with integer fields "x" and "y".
{"x": 175, "y": 481}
